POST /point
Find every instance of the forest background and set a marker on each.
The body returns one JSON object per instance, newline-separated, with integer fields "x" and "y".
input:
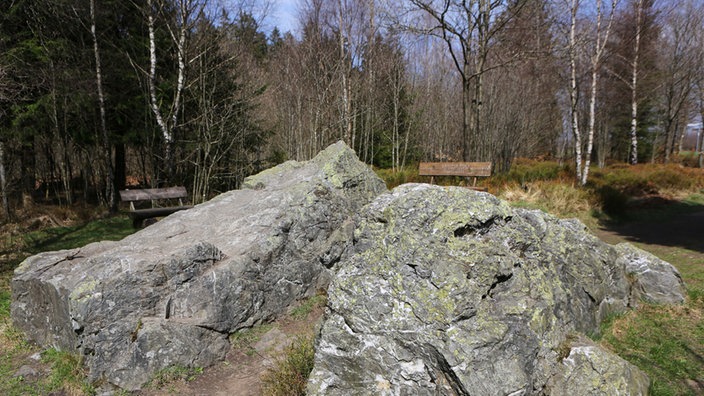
{"x": 98, "y": 95}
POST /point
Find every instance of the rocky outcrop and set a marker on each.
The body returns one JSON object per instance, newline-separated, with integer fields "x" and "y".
{"x": 451, "y": 291}
{"x": 654, "y": 281}
{"x": 173, "y": 292}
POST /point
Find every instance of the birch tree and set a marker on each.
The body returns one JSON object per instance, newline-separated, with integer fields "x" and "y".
{"x": 168, "y": 119}
{"x": 573, "y": 48}
{"x": 576, "y": 46}
{"x": 633, "y": 157}
{"x": 601, "y": 37}
{"x": 105, "y": 139}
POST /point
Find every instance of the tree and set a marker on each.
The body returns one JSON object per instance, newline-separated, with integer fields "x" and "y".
{"x": 178, "y": 28}
{"x": 468, "y": 29}
{"x": 592, "y": 42}
{"x": 678, "y": 54}
{"x": 631, "y": 78}
{"x": 107, "y": 155}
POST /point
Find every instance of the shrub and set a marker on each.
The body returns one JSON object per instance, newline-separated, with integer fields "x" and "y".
{"x": 289, "y": 375}
{"x": 392, "y": 178}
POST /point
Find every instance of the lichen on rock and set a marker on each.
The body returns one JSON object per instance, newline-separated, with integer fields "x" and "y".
{"x": 451, "y": 291}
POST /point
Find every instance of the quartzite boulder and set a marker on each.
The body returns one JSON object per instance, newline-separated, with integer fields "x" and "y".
{"x": 171, "y": 293}
{"x": 451, "y": 291}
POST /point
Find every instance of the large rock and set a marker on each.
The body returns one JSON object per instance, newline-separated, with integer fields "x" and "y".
{"x": 590, "y": 370}
{"x": 450, "y": 291}
{"x": 654, "y": 281}
{"x": 173, "y": 292}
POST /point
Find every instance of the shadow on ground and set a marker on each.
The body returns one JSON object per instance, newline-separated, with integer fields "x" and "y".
{"x": 672, "y": 224}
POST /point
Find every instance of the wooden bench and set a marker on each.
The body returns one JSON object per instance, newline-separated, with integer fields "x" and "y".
{"x": 138, "y": 215}
{"x": 464, "y": 169}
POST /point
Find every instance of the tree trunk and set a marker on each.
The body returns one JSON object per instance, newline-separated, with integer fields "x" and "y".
{"x": 110, "y": 195}
{"x": 574, "y": 89}
{"x": 634, "y": 85}
{"x": 3, "y": 183}
{"x": 600, "y": 45}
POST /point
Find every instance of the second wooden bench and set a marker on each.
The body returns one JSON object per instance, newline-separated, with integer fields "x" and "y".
{"x": 463, "y": 169}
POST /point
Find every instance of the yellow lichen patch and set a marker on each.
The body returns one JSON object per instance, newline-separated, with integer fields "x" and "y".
{"x": 84, "y": 290}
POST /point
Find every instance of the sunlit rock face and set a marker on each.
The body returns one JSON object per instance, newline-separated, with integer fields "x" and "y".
{"x": 451, "y": 291}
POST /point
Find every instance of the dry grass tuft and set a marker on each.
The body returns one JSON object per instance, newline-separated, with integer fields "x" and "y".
{"x": 557, "y": 198}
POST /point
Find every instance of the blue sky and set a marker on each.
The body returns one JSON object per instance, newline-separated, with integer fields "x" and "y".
{"x": 284, "y": 16}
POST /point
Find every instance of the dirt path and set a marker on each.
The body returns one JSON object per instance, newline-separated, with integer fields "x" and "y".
{"x": 241, "y": 372}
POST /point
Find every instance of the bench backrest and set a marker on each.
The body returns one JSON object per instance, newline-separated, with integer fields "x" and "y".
{"x": 148, "y": 194}
{"x": 467, "y": 169}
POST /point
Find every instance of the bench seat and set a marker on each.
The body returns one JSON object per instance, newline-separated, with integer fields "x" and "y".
{"x": 153, "y": 194}
{"x": 463, "y": 169}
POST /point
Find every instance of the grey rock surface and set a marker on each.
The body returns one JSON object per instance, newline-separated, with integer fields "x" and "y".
{"x": 451, "y": 291}
{"x": 173, "y": 292}
{"x": 590, "y": 370}
{"x": 655, "y": 281}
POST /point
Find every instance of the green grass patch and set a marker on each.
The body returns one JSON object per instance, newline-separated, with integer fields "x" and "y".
{"x": 665, "y": 342}
{"x": 289, "y": 375}
{"x": 171, "y": 374}
{"x": 59, "y": 238}
{"x": 66, "y": 373}
{"x": 246, "y": 338}
{"x": 307, "y": 305}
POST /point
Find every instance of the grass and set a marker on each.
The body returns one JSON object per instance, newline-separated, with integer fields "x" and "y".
{"x": 169, "y": 375}
{"x": 307, "y": 306}
{"x": 246, "y": 338}
{"x": 112, "y": 228}
{"x": 665, "y": 342}
{"x": 289, "y": 375}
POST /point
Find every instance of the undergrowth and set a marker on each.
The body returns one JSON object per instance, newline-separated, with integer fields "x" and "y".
{"x": 289, "y": 375}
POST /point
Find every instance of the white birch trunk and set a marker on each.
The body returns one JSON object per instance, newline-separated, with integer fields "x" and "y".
{"x": 166, "y": 133}
{"x": 600, "y": 45}
{"x": 634, "y": 84}
{"x": 574, "y": 5}
{"x": 110, "y": 182}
